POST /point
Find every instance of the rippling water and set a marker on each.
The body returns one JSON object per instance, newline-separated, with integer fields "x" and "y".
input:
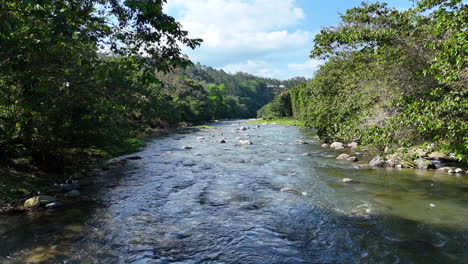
{"x": 221, "y": 203}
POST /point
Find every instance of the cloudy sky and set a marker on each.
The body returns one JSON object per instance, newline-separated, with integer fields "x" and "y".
{"x": 270, "y": 38}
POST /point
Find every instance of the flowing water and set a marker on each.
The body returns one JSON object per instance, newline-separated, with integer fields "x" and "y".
{"x": 221, "y": 203}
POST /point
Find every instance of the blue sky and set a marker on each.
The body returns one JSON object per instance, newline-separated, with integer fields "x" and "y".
{"x": 270, "y": 38}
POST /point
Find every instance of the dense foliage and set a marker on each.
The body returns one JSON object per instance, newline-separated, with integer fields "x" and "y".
{"x": 391, "y": 78}
{"x": 80, "y": 78}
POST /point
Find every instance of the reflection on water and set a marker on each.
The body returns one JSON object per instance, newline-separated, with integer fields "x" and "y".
{"x": 220, "y": 203}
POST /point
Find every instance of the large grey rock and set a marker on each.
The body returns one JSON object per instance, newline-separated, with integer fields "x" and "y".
{"x": 38, "y": 201}
{"x": 337, "y": 145}
{"x": 424, "y": 164}
{"x": 377, "y": 162}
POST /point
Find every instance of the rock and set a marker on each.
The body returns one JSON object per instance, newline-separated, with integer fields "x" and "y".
{"x": 242, "y": 128}
{"x": 37, "y": 201}
{"x": 458, "y": 170}
{"x": 134, "y": 158}
{"x": 222, "y": 141}
{"x": 348, "y": 180}
{"x": 438, "y": 155}
{"x": 69, "y": 187}
{"x": 187, "y": 147}
{"x": 336, "y": 145}
{"x": 424, "y": 164}
{"x": 343, "y": 157}
{"x": 377, "y": 162}
{"x": 432, "y": 205}
{"x": 325, "y": 145}
{"x": 420, "y": 153}
{"x": 54, "y": 205}
{"x": 352, "y": 159}
{"x": 72, "y": 194}
{"x": 200, "y": 138}
{"x": 292, "y": 191}
{"x": 301, "y": 142}
{"x": 399, "y": 166}
{"x": 353, "y": 145}
{"x": 306, "y": 154}
{"x": 245, "y": 142}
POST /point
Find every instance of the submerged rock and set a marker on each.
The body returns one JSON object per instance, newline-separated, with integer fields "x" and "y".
{"x": 222, "y": 141}
{"x": 301, "y": 142}
{"x": 306, "y": 154}
{"x": 134, "y": 158}
{"x": 292, "y": 191}
{"x": 38, "y": 201}
{"x": 187, "y": 147}
{"x": 377, "y": 162}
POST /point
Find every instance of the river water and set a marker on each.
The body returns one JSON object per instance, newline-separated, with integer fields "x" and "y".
{"x": 221, "y": 203}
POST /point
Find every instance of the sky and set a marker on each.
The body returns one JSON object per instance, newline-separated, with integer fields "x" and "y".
{"x": 268, "y": 38}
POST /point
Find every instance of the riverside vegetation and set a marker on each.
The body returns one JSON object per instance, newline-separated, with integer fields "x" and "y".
{"x": 76, "y": 87}
{"x": 394, "y": 81}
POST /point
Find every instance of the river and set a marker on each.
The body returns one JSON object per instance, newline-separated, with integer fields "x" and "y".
{"x": 221, "y": 203}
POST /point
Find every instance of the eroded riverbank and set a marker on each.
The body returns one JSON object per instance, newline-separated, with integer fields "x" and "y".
{"x": 221, "y": 203}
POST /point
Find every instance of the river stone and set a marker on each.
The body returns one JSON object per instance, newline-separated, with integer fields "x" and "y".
{"x": 54, "y": 205}
{"x": 69, "y": 187}
{"x": 352, "y": 159}
{"x": 245, "y": 142}
{"x": 242, "y": 128}
{"x": 39, "y": 201}
{"x": 339, "y": 148}
{"x": 134, "y": 158}
{"x": 343, "y": 157}
{"x": 325, "y": 145}
{"x": 187, "y": 147}
{"x": 438, "y": 155}
{"x": 424, "y": 164}
{"x": 306, "y": 154}
{"x": 377, "y": 162}
{"x": 348, "y": 180}
{"x": 353, "y": 145}
{"x": 336, "y": 145}
{"x": 292, "y": 191}
{"x": 200, "y": 138}
{"x": 72, "y": 194}
{"x": 222, "y": 141}
{"x": 301, "y": 142}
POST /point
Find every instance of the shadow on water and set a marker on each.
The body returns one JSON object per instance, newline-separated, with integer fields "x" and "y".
{"x": 221, "y": 203}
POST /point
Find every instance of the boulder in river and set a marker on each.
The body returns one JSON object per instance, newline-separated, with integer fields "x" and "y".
{"x": 72, "y": 194}
{"x": 352, "y": 159}
{"x": 222, "y": 141}
{"x": 377, "y": 162}
{"x": 245, "y": 142}
{"x": 38, "y": 201}
{"x": 301, "y": 142}
{"x": 325, "y": 145}
{"x": 200, "y": 138}
{"x": 337, "y": 145}
{"x": 353, "y": 145}
{"x": 343, "y": 157}
{"x": 424, "y": 164}
{"x": 306, "y": 154}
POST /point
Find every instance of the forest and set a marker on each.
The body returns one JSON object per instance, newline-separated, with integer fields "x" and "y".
{"x": 391, "y": 79}
{"x": 74, "y": 84}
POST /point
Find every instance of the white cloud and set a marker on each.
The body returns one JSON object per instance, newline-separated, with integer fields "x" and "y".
{"x": 240, "y": 32}
{"x": 304, "y": 69}
{"x": 259, "y": 68}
